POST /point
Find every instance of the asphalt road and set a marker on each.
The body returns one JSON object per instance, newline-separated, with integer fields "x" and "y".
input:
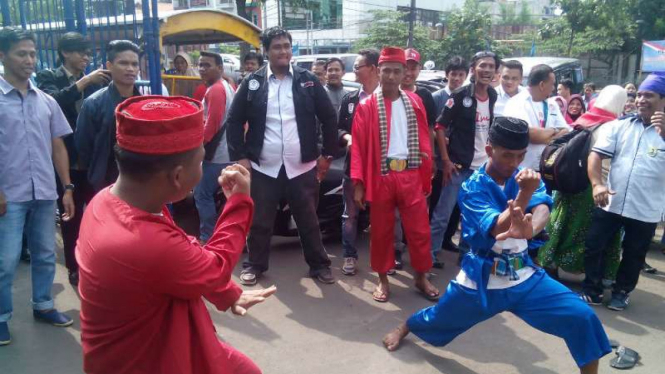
{"x": 312, "y": 328}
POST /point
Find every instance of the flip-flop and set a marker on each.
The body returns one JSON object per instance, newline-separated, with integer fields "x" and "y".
{"x": 380, "y": 296}
{"x": 626, "y": 358}
{"x": 428, "y": 296}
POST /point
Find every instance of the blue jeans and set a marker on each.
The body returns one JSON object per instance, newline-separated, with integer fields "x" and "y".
{"x": 204, "y": 196}
{"x": 444, "y": 208}
{"x": 37, "y": 217}
{"x": 349, "y": 220}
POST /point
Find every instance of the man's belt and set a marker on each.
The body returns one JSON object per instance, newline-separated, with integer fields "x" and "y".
{"x": 395, "y": 164}
{"x": 506, "y": 265}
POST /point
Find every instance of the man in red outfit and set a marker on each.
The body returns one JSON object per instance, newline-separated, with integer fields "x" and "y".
{"x": 142, "y": 279}
{"x": 391, "y": 168}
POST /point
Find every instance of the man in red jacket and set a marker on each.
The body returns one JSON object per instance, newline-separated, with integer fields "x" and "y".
{"x": 391, "y": 167}
{"x": 142, "y": 279}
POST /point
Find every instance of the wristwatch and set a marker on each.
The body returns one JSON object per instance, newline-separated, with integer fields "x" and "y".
{"x": 70, "y": 187}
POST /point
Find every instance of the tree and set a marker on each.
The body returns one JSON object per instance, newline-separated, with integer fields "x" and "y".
{"x": 469, "y": 31}
{"x": 389, "y": 29}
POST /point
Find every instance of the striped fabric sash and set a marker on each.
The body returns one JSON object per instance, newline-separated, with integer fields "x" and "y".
{"x": 413, "y": 142}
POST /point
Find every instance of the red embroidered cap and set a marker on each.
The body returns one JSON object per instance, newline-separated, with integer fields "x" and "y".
{"x": 392, "y": 54}
{"x": 412, "y": 55}
{"x": 159, "y": 125}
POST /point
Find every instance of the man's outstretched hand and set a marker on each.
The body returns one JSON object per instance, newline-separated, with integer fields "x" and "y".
{"x": 235, "y": 179}
{"x": 521, "y": 226}
{"x": 250, "y": 298}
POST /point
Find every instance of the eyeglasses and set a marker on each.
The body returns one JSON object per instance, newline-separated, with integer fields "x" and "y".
{"x": 358, "y": 67}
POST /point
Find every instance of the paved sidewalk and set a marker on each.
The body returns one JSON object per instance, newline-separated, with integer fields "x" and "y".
{"x": 310, "y": 328}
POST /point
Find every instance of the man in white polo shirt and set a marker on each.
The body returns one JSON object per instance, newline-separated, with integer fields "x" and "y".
{"x": 631, "y": 200}
{"x": 544, "y": 117}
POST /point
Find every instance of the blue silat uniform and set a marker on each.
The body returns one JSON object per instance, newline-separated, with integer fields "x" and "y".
{"x": 499, "y": 276}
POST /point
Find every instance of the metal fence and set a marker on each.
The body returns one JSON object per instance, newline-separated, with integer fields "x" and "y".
{"x": 99, "y": 20}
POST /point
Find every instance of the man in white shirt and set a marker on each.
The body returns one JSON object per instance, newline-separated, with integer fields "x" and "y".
{"x": 631, "y": 200}
{"x": 281, "y": 104}
{"x": 511, "y": 78}
{"x": 544, "y": 117}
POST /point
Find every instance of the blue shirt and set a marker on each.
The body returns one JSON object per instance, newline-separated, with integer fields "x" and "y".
{"x": 28, "y": 126}
{"x": 481, "y": 201}
{"x": 440, "y": 97}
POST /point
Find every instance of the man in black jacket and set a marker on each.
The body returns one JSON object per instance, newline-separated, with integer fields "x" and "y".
{"x": 366, "y": 68}
{"x": 280, "y": 103}
{"x": 95, "y": 128}
{"x": 465, "y": 119}
{"x": 69, "y": 87}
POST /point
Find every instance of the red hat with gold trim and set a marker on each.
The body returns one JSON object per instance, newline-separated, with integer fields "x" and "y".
{"x": 159, "y": 125}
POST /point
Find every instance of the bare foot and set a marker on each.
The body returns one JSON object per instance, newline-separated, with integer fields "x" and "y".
{"x": 392, "y": 340}
{"x": 426, "y": 287}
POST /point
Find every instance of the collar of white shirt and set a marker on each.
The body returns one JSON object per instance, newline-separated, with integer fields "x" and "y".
{"x": 363, "y": 94}
{"x": 501, "y": 92}
{"x": 270, "y": 74}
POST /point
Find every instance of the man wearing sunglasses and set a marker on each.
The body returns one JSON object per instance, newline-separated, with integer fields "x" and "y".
{"x": 69, "y": 86}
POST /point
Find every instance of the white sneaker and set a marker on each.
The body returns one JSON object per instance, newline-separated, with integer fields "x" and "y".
{"x": 349, "y": 267}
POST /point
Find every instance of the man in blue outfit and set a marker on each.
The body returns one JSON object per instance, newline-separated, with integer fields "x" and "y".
{"x": 503, "y": 207}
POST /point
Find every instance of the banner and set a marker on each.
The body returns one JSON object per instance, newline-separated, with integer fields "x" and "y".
{"x": 653, "y": 56}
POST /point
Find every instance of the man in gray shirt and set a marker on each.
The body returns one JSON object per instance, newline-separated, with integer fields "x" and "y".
{"x": 31, "y": 129}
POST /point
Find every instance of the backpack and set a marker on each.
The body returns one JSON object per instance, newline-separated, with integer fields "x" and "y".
{"x": 563, "y": 164}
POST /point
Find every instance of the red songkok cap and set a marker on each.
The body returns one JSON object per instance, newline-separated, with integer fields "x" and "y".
{"x": 412, "y": 55}
{"x": 392, "y": 54}
{"x": 159, "y": 125}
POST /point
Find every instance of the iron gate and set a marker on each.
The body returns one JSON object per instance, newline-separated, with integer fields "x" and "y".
{"x": 99, "y": 20}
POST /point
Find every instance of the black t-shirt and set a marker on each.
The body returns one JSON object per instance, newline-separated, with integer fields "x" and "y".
{"x": 428, "y": 102}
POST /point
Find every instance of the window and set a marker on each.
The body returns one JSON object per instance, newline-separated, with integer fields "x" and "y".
{"x": 424, "y": 17}
{"x": 326, "y": 14}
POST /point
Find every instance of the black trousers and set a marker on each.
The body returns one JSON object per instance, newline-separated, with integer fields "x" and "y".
{"x": 604, "y": 226}
{"x": 301, "y": 193}
{"x": 83, "y": 193}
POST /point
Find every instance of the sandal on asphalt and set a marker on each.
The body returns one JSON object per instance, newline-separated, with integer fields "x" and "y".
{"x": 380, "y": 296}
{"x": 431, "y": 296}
{"x": 626, "y": 358}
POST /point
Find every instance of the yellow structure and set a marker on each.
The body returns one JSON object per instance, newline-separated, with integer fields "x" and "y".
{"x": 207, "y": 26}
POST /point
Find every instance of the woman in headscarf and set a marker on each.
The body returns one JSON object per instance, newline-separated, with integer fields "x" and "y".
{"x": 562, "y": 103}
{"x": 571, "y": 215}
{"x": 182, "y": 64}
{"x": 574, "y": 109}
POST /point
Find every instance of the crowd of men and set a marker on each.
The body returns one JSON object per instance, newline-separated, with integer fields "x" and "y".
{"x": 418, "y": 161}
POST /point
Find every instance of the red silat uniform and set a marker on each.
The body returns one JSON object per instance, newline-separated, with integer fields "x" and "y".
{"x": 142, "y": 283}
{"x": 405, "y": 190}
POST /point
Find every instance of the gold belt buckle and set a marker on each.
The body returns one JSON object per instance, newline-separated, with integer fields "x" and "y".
{"x": 397, "y": 165}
